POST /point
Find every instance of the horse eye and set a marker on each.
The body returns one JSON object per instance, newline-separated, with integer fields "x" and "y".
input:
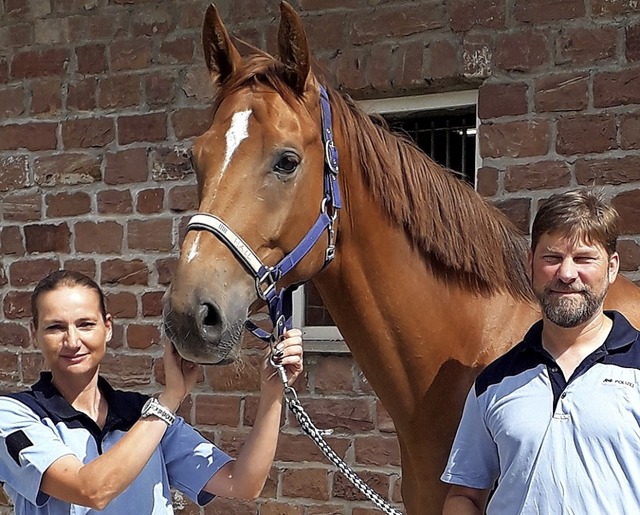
{"x": 286, "y": 164}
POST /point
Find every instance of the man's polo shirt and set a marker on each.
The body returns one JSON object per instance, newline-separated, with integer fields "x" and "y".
{"x": 40, "y": 426}
{"x": 555, "y": 446}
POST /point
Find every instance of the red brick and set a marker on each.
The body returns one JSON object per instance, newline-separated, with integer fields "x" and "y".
{"x": 126, "y": 167}
{"x": 622, "y": 170}
{"x": 161, "y": 88}
{"x": 616, "y": 88}
{"x": 115, "y": 202}
{"x": 521, "y": 51}
{"x": 189, "y": 122}
{"x": 119, "y": 91}
{"x": 124, "y": 371}
{"x": 81, "y": 95}
{"x": 280, "y": 508}
{"x": 630, "y": 131}
{"x": 34, "y": 63}
{"x": 17, "y": 304}
{"x": 11, "y": 101}
{"x": 183, "y": 198}
{"x": 518, "y": 210}
{"x": 168, "y": 164}
{"x": 130, "y": 55}
{"x": 495, "y": 100}
{"x": 632, "y": 40}
{"x": 538, "y": 175}
{"x": 3, "y": 277}
{"x": 95, "y": 28}
{"x": 21, "y": 208}
{"x": 467, "y": 14}
{"x": 613, "y": 7}
{"x": 344, "y": 489}
{"x": 145, "y": 127}
{"x": 9, "y": 368}
{"x": 91, "y": 59}
{"x": 15, "y": 335}
{"x": 477, "y": 56}
{"x": 543, "y": 11}
{"x": 18, "y": 35}
{"x": 445, "y": 60}
{"x": 562, "y": 93}
{"x": 87, "y": 132}
{"x": 386, "y": 22}
{"x": 47, "y": 238}
{"x": 384, "y": 423}
{"x": 627, "y": 204}
{"x": 583, "y": 134}
{"x": 103, "y": 237}
{"x": 84, "y": 266}
{"x": 67, "y": 204}
{"x": 122, "y": 305}
{"x": 4, "y": 70}
{"x": 142, "y": 336}
{"x": 32, "y": 364}
{"x": 487, "y": 181}
{"x": 218, "y": 410}
{"x": 29, "y": 272}
{"x": 165, "y": 270}
{"x": 124, "y": 273}
{"x": 15, "y": 173}
{"x": 378, "y": 451}
{"x": 30, "y": 135}
{"x": 155, "y": 21}
{"x": 179, "y": 50}
{"x": 197, "y": 84}
{"x": 67, "y": 169}
{"x": 514, "y": 139}
{"x": 46, "y": 96}
{"x": 408, "y": 63}
{"x": 152, "y": 303}
{"x": 150, "y": 201}
{"x": 586, "y": 45}
{"x": 150, "y": 235}
{"x": 334, "y": 374}
{"x": 11, "y": 241}
{"x": 629, "y": 256}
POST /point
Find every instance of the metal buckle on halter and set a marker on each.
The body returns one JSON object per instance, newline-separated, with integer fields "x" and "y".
{"x": 330, "y": 155}
{"x": 263, "y": 293}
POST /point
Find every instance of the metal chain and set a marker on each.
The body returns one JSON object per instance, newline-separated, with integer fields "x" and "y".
{"x": 315, "y": 434}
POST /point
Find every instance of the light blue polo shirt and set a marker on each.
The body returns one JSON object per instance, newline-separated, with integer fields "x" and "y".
{"x": 555, "y": 446}
{"x": 40, "y": 426}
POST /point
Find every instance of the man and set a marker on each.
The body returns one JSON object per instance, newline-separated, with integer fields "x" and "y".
{"x": 553, "y": 424}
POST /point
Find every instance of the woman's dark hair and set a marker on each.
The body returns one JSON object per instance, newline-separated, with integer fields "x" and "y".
{"x": 67, "y": 278}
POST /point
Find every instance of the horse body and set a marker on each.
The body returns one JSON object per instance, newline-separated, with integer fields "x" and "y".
{"x": 429, "y": 283}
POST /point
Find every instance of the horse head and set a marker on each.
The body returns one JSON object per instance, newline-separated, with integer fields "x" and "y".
{"x": 259, "y": 168}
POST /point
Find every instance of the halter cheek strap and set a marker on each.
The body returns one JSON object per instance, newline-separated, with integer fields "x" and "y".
{"x": 279, "y": 301}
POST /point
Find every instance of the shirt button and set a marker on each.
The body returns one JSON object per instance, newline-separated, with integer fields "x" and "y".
{"x": 564, "y": 395}
{"x": 554, "y": 369}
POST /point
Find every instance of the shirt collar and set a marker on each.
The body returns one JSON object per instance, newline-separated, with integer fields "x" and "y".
{"x": 622, "y": 334}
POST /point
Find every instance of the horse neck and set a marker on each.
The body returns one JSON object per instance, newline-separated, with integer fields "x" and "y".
{"x": 396, "y": 315}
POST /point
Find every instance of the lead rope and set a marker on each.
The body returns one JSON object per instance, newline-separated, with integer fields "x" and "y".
{"x": 317, "y": 435}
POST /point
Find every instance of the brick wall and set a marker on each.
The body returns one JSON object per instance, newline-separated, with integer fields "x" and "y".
{"x": 99, "y": 99}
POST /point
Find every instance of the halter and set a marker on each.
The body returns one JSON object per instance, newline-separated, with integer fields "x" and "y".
{"x": 266, "y": 277}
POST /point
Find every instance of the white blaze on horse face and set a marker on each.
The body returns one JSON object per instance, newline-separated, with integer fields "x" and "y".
{"x": 238, "y": 131}
{"x": 193, "y": 251}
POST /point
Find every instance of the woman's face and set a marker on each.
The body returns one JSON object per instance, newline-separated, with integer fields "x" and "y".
{"x": 71, "y": 333}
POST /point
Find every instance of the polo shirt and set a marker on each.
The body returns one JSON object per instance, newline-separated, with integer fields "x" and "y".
{"x": 39, "y": 426}
{"x": 555, "y": 446}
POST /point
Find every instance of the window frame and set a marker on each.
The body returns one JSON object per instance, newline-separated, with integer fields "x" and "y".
{"x": 327, "y": 339}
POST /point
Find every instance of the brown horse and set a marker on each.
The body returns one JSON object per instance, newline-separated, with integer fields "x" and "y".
{"x": 429, "y": 282}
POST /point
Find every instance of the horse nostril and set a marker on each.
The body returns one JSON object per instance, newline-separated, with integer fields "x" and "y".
{"x": 211, "y": 315}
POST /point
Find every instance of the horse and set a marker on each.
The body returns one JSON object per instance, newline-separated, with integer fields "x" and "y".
{"x": 429, "y": 282}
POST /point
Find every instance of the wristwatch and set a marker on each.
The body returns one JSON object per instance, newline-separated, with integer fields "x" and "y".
{"x": 153, "y": 407}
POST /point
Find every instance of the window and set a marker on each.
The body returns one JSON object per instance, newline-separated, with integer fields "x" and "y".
{"x": 445, "y": 127}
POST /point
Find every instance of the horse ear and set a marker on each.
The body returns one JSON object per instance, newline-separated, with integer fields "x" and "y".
{"x": 293, "y": 48}
{"x": 221, "y": 56}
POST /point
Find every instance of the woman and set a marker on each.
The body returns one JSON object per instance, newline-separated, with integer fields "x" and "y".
{"x": 72, "y": 444}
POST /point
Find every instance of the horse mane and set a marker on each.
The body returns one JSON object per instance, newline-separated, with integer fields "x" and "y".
{"x": 461, "y": 237}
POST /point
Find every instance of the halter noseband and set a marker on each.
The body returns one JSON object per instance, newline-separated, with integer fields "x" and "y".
{"x": 266, "y": 277}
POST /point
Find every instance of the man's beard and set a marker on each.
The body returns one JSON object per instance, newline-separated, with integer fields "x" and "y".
{"x": 570, "y": 311}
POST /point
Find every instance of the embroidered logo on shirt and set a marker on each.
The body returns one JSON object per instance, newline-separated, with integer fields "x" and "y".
{"x": 16, "y": 442}
{"x": 619, "y": 381}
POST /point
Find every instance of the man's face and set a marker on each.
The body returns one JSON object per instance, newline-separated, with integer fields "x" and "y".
{"x": 570, "y": 278}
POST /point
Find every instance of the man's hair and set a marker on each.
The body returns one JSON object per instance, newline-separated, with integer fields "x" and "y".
{"x": 66, "y": 278}
{"x": 580, "y": 214}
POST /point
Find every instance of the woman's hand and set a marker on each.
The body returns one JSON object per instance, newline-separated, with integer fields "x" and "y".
{"x": 180, "y": 377}
{"x": 288, "y": 353}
